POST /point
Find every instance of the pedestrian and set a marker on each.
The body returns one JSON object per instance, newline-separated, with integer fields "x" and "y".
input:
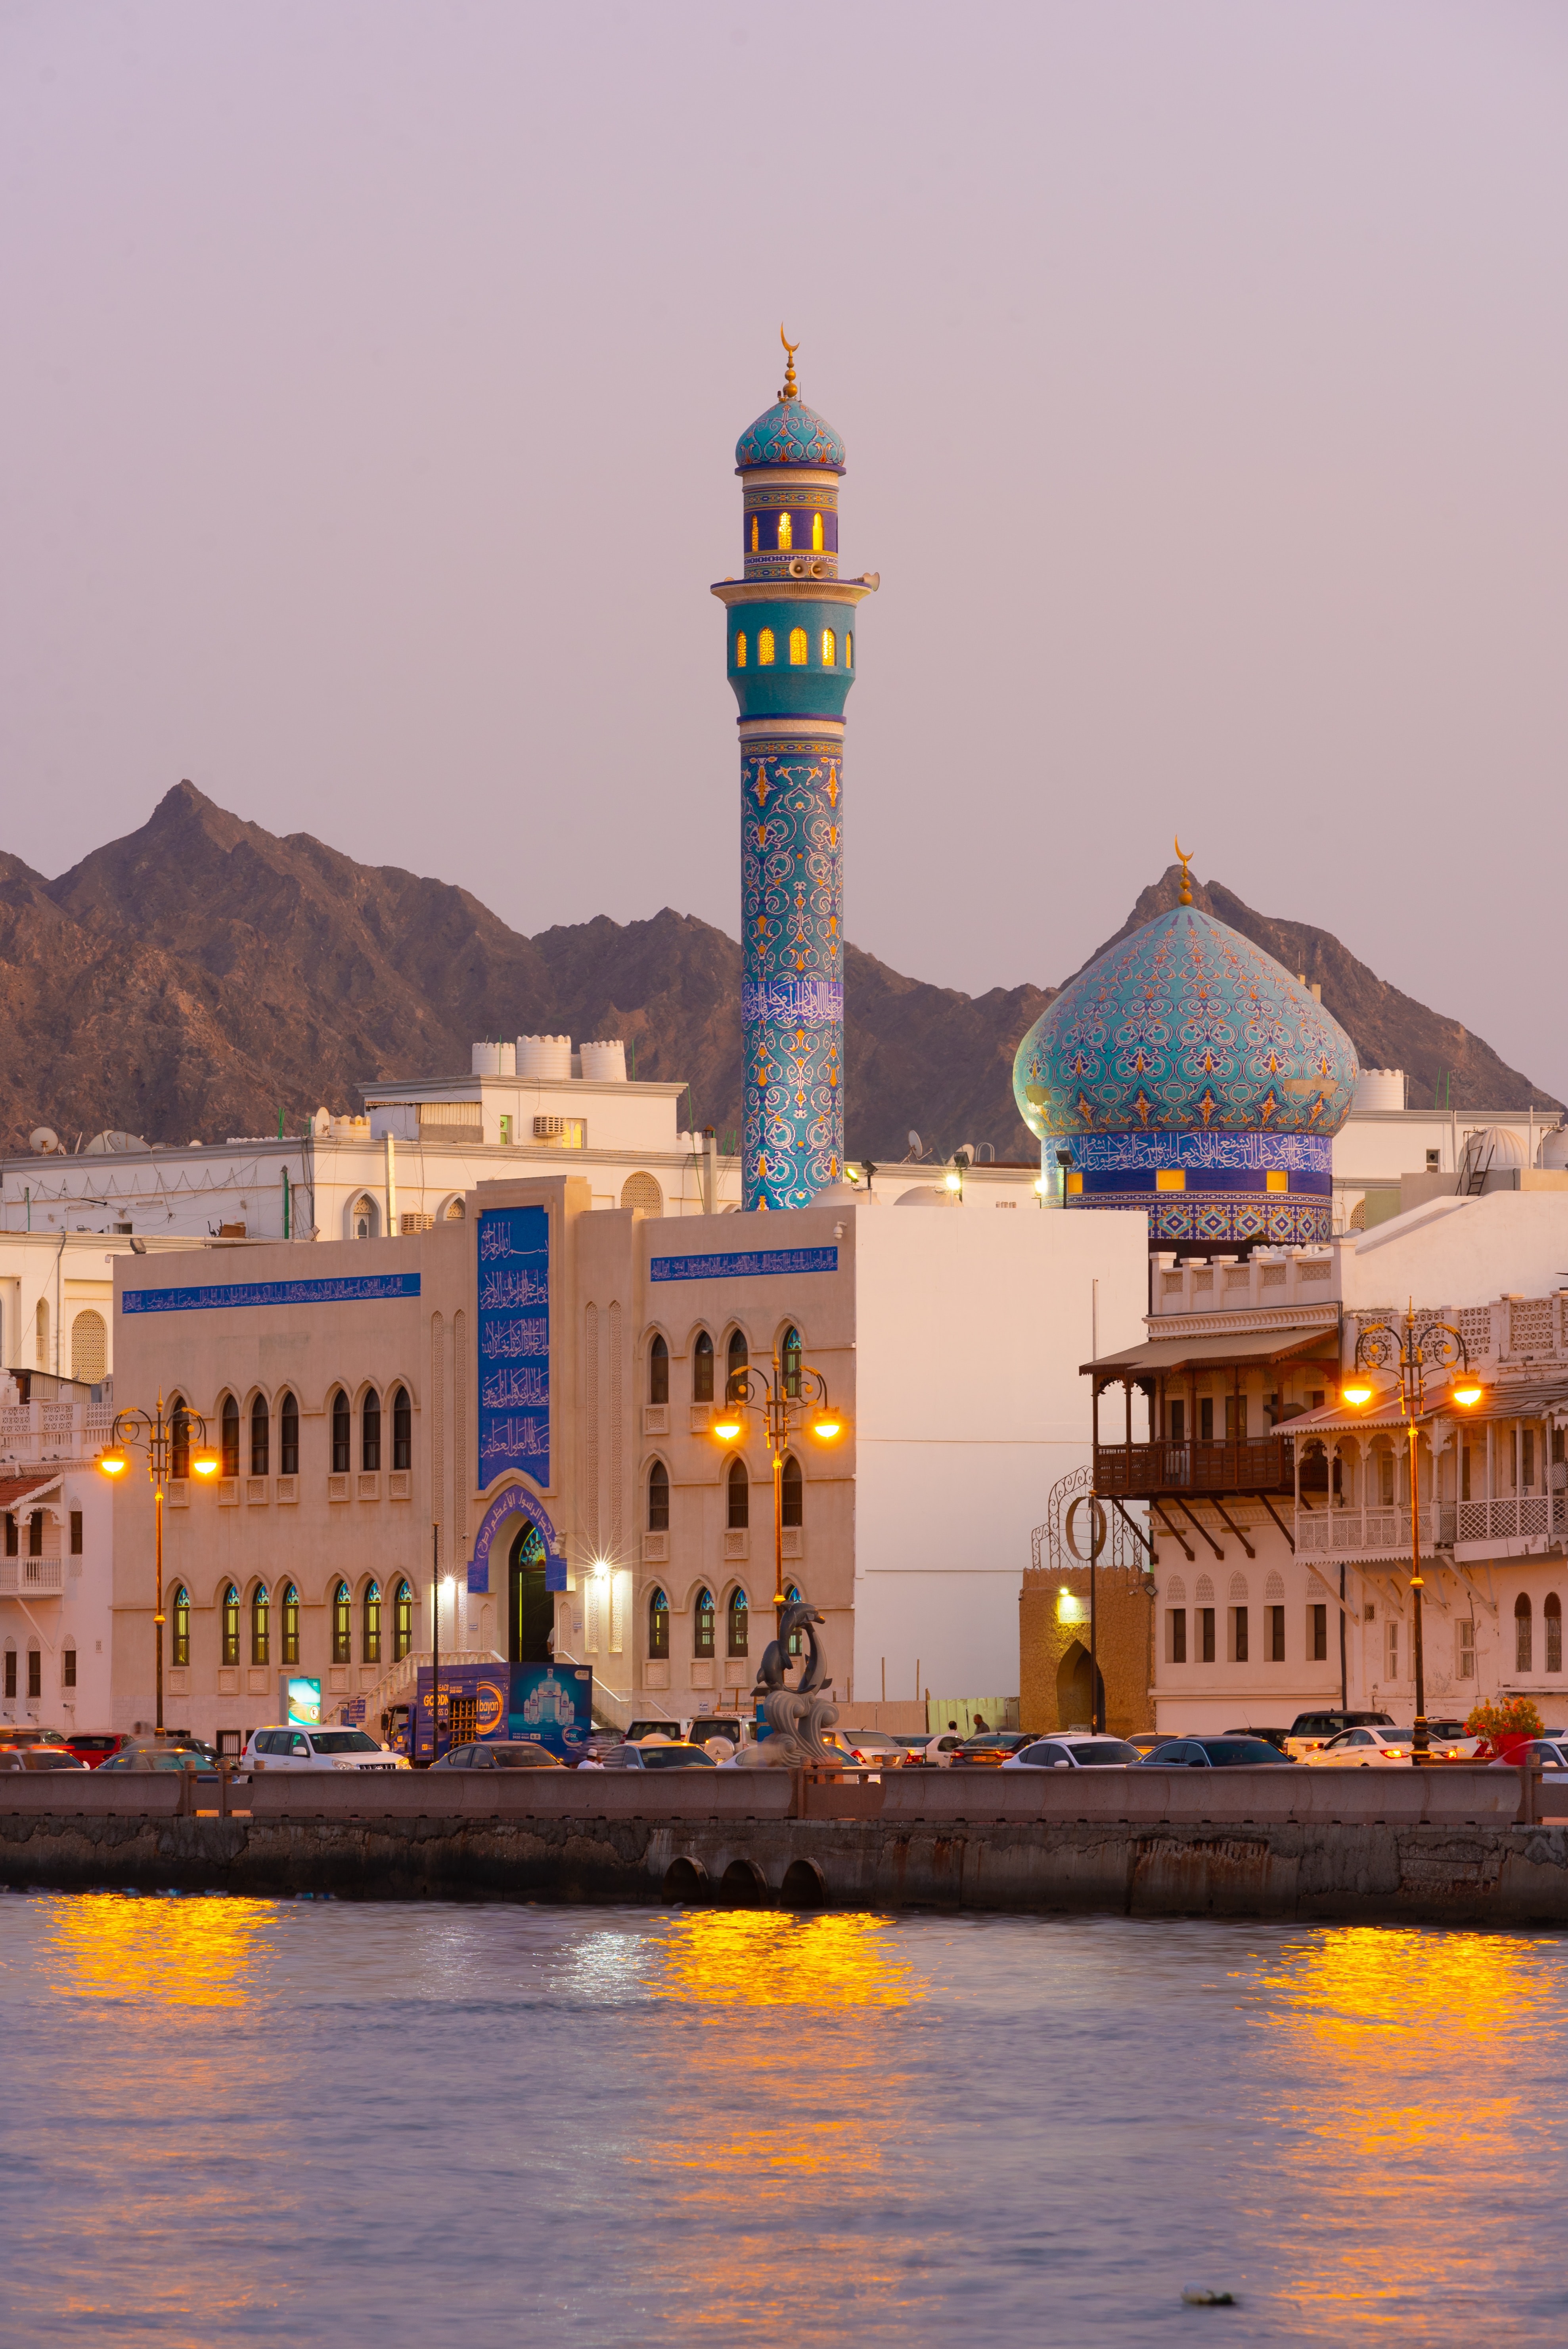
{"x": 981, "y": 1730}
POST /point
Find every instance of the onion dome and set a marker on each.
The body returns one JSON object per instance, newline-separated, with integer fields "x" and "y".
{"x": 789, "y": 433}
{"x": 1185, "y": 1028}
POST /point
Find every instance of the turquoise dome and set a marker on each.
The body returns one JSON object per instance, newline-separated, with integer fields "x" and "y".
{"x": 1184, "y": 1027}
{"x": 790, "y": 433}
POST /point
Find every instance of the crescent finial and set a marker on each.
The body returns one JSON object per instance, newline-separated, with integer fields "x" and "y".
{"x": 1186, "y": 896}
{"x": 791, "y": 390}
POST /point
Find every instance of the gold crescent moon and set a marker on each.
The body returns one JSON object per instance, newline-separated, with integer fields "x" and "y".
{"x": 1180, "y": 851}
{"x": 790, "y": 347}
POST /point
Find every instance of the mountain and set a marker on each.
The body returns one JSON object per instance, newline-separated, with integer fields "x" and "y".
{"x": 202, "y": 976}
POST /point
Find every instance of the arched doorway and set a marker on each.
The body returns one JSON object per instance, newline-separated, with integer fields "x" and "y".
{"x": 531, "y": 1611}
{"x": 1073, "y": 1709}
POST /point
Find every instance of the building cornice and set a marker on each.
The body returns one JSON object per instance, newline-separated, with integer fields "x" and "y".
{"x": 1223, "y": 1325}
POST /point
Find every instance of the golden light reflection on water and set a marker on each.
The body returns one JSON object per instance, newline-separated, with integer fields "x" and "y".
{"x": 768, "y": 1961}
{"x": 186, "y": 1953}
{"x": 1425, "y": 2053}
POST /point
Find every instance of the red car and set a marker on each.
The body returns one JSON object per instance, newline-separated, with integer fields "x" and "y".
{"x": 94, "y": 1747}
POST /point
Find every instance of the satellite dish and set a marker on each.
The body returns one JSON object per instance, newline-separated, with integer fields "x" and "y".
{"x": 917, "y": 1147}
{"x": 44, "y": 1140}
{"x": 965, "y": 1150}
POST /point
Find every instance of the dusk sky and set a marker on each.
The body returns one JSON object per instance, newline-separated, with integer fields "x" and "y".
{"x": 372, "y": 381}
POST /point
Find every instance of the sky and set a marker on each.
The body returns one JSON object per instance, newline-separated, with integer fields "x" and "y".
{"x": 372, "y": 376}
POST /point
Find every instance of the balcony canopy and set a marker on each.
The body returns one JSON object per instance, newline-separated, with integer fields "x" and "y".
{"x": 1240, "y": 1345}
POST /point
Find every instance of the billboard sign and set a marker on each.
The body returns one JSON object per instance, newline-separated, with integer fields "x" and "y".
{"x": 550, "y": 1703}
{"x": 303, "y": 1700}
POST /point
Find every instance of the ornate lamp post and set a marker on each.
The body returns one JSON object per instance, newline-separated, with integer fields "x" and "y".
{"x": 794, "y": 1392}
{"x": 161, "y": 1436}
{"x": 1428, "y": 1346}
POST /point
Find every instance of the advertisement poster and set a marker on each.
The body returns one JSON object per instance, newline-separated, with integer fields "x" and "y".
{"x": 302, "y": 1698}
{"x": 549, "y": 1704}
{"x": 514, "y": 1343}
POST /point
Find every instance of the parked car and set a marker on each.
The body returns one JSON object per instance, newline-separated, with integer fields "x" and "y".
{"x": 1074, "y": 1749}
{"x": 522, "y": 1756}
{"x": 1215, "y": 1753}
{"x": 38, "y": 1757}
{"x": 669, "y": 1755}
{"x": 991, "y": 1748}
{"x": 288, "y": 1748}
{"x": 27, "y": 1732}
{"x": 1365, "y": 1749}
{"x": 1551, "y": 1752}
{"x": 1145, "y": 1740}
{"x": 1280, "y": 1737}
{"x": 1310, "y": 1730}
{"x": 148, "y": 1754}
{"x": 96, "y": 1748}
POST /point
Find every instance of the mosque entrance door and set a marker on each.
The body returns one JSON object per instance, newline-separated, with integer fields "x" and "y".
{"x": 1073, "y": 1709}
{"x": 531, "y": 1611}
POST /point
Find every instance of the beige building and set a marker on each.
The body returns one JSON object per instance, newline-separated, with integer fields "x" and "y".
{"x": 522, "y": 1397}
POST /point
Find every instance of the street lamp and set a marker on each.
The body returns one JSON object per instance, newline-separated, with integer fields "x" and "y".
{"x": 1432, "y": 1345}
{"x": 160, "y": 1436}
{"x": 795, "y": 1392}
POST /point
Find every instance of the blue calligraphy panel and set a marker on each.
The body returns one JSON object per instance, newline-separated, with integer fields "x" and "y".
{"x": 355, "y": 1289}
{"x": 750, "y": 1264}
{"x": 514, "y": 1343}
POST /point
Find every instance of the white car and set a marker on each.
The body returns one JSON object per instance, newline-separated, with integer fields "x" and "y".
{"x": 1073, "y": 1749}
{"x": 318, "y": 1749}
{"x": 1365, "y": 1749}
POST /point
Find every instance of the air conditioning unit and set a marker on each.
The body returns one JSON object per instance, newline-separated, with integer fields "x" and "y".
{"x": 415, "y": 1223}
{"x": 549, "y": 1128}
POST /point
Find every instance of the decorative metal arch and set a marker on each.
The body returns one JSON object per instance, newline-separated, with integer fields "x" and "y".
{"x": 1047, "y": 1543}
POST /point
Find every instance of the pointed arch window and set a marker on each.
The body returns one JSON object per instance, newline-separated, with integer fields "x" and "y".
{"x": 1552, "y": 1618}
{"x": 765, "y": 649}
{"x": 755, "y": 535}
{"x": 703, "y": 1622}
{"x": 702, "y": 1367}
{"x": 791, "y": 1493}
{"x": 261, "y": 1436}
{"x": 792, "y": 1599}
{"x": 402, "y": 1430}
{"x": 790, "y": 1354}
{"x": 342, "y": 1641}
{"x": 658, "y": 1371}
{"x": 737, "y": 1487}
{"x": 658, "y": 1626}
{"x": 741, "y": 649}
{"x": 800, "y": 649}
{"x": 816, "y": 534}
{"x": 229, "y": 1434}
{"x": 849, "y": 649}
{"x": 180, "y": 1651}
{"x": 829, "y": 649}
{"x": 261, "y": 1625}
{"x": 785, "y": 532}
{"x": 737, "y": 1623}
{"x": 370, "y": 1430}
{"x": 658, "y": 1499}
{"x": 288, "y": 1435}
{"x": 735, "y": 1368}
{"x": 1524, "y": 1643}
{"x": 291, "y": 1623}
{"x": 180, "y": 1444}
{"x": 372, "y": 1627}
{"x": 402, "y": 1622}
{"x": 230, "y": 1646}
{"x": 341, "y": 1434}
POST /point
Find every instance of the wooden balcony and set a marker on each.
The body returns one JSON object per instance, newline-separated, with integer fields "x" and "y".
{"x": 1145, "y": 1470}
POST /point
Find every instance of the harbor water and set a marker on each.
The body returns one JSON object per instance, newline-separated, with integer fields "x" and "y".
{"x": 234, "y": 2121}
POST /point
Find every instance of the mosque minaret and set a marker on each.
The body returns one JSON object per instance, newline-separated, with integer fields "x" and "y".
{"x": 790, "y": 624}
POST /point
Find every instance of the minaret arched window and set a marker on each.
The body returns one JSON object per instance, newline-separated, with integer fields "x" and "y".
{"x": 850, "y": 650}
{"x": 288, "y": 1435}
{"x": 702, "y": 1367}
{"x": 800, "y": 649}
{"x": 230, "y": 1648}
{"x": 370, "y": 1430}
{"x": 402, "y": 1430}
{"x": 229, "y": 1427}
{"x": 658, "y": 1499}
{"x": 738, "y": 1488}
{"x": 765, "y": 649}
{"x": 291, "y": 1623}
{"x": 786, "y": 533}
{"x": 261, "y": 1625}
{"x": 816, "y": 534}
{"x": 261, "y": 1436}
{"x": 741, "y": 650}
{"x": 340, "y": 1433}
{"x": 658, "y": 1371}
{"x": 342, "y": 1629}
{"x": 658, "y": 1625}
{"x": 829, "y": 649}
{"x": 754, "y": 534}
